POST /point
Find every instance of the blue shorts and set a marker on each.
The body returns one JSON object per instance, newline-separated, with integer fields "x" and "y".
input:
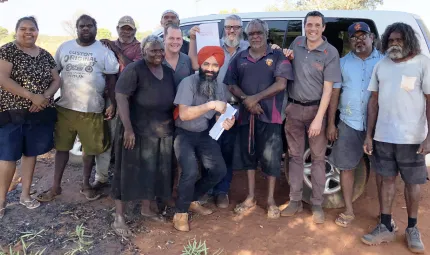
{"x": 25, "y": 139}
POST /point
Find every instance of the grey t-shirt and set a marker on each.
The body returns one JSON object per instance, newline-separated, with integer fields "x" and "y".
{"x": 402, "y": 104}
{"x": 311, "y": 68}
{"x": 183, "y": 69}
{"x": 188, "y": 95}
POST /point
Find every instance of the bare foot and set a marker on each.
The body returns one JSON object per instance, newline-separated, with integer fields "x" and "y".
{"x": 120, "y": 227}
{"x": 249, "y": 201}
{"x": 271, "y": 202}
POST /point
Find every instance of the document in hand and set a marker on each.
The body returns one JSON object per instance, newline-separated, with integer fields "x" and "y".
{"x": 217, "y": 129}
{"x": 208, "y": 36}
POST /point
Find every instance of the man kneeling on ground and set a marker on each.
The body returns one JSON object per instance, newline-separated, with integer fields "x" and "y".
{"x": 199, "y": 97}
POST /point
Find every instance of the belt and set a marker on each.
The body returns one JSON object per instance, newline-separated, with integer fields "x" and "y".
{"x": 309, "y": 103}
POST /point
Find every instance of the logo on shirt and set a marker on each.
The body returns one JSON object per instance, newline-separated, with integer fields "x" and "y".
{"x": 269, "y": 62}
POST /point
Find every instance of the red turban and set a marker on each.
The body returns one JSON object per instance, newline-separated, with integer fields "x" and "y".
{"x": 209, "y": 51}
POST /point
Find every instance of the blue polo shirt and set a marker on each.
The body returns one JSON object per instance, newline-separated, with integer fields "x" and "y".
{"x": 253, "y": 76}
{"x": 356, "y": 75}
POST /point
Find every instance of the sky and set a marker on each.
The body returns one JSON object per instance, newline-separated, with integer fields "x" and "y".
{"x": 51, "y": 13}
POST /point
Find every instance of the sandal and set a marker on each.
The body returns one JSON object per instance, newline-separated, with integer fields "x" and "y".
{"x": 242, "y": 207}
{"x": 123, "y": 232}
{"x": 344, "y": 220}
{"x": 90, "y": 194}
{"x": 273, "y": 212}
{"x": 47, "y": 196}
{"x": 32, "y": 204}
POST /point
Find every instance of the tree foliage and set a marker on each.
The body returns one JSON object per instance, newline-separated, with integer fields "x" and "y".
{"x": 289, "y": 5}
{"x": 140, "y": 35}
{"x": 234, "y": 10}
{"x": 103, "y": 33}
{"x": 3, "y": 33}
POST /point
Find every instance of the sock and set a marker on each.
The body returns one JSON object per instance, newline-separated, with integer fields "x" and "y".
{"x": 386, "y": 220}
{"x": 412, "y": 222}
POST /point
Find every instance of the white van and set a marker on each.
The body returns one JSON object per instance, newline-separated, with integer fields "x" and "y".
{"x": 284, "y": 27}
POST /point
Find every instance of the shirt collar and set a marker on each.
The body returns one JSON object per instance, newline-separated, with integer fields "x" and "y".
{"x": 322, "y": 47}
{"x": 245, "y": 53}
{"x": 119, "y": 44}
{"x": 375, "y": 54}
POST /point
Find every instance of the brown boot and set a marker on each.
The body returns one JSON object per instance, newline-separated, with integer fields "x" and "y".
{"x": 196, "y": 207}
{"x": 180, "y": 222}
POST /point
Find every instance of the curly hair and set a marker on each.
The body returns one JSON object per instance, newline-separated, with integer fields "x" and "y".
{"x": 411, "y": 43}
{"x": 150, "y": 40}
{"x": 87, "y": 17}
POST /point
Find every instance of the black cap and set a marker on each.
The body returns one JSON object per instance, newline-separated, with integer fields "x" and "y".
{"x": 358, "y": 26}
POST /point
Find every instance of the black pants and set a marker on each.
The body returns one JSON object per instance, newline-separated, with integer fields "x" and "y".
{"x": 190, "y": 146}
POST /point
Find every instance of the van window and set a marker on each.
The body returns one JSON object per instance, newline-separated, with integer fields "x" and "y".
{"x": 186, "y": 29}
{"x": 425, "y": 31}
{"x": 294, "y": 30}
{"x": 337, "y": 32}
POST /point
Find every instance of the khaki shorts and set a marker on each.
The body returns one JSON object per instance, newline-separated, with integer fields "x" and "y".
{"x": 90, "y": 127}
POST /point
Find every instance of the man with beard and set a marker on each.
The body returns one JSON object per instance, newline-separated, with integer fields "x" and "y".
{"x": 348, "y": 138}
{"x": 199, "y": 98}
{"x": 258, "y": 76}
{"x": 232, "y": 43}
{"x": 316, "y": 68}
{"x": 86, "y": 68}
{"x": 400, "y": 108}
{"x": 127, "y": 50}
{"x": 170, "y": 17}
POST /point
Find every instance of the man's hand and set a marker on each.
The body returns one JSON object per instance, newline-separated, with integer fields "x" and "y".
{"x": 368, "y": 145}
{"x": 219, "y": 106}
{"x": 257, "y": 110}
{"x": 315, "y": 128}
{"x": 289, "y": 54}
{"x": 34, "y": 108}
{"x": 424, "y": 147}
{"x": 39, "y": 100}
{"x": 110, "y": 45}
{"x": 193, "y": 31}
{"x": 129, "y": 139}
{"x": 250, "y": 102}
{"x": 332, "y": 133}
{"x": 228, "y": 123}
{"x": 275, "y": 47}
{"x": 110, "y": 112}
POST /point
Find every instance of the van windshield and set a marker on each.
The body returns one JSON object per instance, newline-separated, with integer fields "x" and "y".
{"x": 425, "y": 31}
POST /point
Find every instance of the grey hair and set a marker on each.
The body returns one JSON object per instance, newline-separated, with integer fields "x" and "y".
{"x": 258, "y": 22}
{"x": 150, "y": 40}
{"x": 234, "y": 17}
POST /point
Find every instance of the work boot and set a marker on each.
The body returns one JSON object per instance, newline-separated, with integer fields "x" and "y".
{"x": 292, "y": 208}
{"x": 318, "y": 214}
{"x": 413, "y": 239}
{"x": 196, "y": 207}
{"x": 379, "y": 235}
{"x": 222, "y": 201}
{"x": 180, "y": 222}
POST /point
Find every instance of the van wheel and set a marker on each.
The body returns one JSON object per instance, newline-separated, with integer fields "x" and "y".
{"x": 333, "y": 197}
{"x": 75, "y": 154}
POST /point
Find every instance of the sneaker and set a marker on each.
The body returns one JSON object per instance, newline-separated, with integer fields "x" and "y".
{"x": 318, "y": 214}
{"x": 393, "y": 223}
{"x": 292, "y": 208}
{"x": 222, "y": 201}
{"x": 413, "y": 239}
{"x": 379, "y": 235}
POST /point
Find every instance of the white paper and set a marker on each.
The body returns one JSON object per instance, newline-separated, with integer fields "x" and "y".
{"x": 217, "y": 129}
{"x": 208, "y": 36}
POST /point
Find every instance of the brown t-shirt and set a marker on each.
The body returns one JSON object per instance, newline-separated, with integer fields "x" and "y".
{"x": 32, "y": 73}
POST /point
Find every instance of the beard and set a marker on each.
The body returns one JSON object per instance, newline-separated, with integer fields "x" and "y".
{"x": 88, "y": 39}
{"x": 397, "y": 52}
{"x": 232, "y": 43}
{"x": 207, "y": 85}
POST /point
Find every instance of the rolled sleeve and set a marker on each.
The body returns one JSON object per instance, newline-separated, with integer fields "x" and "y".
{"x": 332, "y": 71}
{"x": 374, "y": 81}
{"x": 111, "y": 63}
{"x": 127, "y": 82}
{"x": 426, "y": 76}
{"x": 284, "y": 68}
{"x": 337, "y": 85}
{"x": 185, "y": 92}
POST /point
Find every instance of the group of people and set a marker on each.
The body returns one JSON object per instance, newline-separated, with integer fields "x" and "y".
{"x": 154, "y": 103}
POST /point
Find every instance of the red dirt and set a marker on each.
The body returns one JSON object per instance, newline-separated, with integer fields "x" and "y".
{"x": 254, "y": 234}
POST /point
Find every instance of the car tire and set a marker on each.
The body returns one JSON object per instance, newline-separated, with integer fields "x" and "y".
{"x": 334, "y": 199}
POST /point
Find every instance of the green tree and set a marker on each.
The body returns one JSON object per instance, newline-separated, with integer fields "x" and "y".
{"x": 3, "y": 33}
{"x": 140, "y": 35}
{"x": 103, "y": 33}
{"x": 288, "y": 5}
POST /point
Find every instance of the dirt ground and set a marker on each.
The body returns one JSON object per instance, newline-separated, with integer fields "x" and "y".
{"x": 253, "y": 234}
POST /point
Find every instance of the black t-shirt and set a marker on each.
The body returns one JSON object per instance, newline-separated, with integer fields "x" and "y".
{"x": 151, "y": 99}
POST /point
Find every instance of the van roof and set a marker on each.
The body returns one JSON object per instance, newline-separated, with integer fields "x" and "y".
{"x": 300, "y": 14}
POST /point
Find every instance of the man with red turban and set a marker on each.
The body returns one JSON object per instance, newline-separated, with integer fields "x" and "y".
{"x": 199, "y": 98}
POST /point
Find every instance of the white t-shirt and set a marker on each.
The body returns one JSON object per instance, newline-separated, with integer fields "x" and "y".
{"x": 83, "y": 70}
{"x": 402, "y": 105}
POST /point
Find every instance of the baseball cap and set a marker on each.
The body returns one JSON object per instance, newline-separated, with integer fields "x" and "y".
{"x": 126, "y": 21}
{"x": 170, "y": 11}
{"x": 358, "y": 26}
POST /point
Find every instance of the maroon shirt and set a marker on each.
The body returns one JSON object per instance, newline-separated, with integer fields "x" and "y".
{"x": 131, "y": 51}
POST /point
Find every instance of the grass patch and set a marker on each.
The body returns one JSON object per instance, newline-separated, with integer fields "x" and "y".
{"x": 80, "y": 239}
{"x": 200, "y": 248}
{"x": 26, "y": 241}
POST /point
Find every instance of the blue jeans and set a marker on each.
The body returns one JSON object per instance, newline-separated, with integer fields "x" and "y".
{"x": 226, "y": 142}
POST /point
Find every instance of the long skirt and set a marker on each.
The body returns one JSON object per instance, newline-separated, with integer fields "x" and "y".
{"x": 144, "y": 172}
